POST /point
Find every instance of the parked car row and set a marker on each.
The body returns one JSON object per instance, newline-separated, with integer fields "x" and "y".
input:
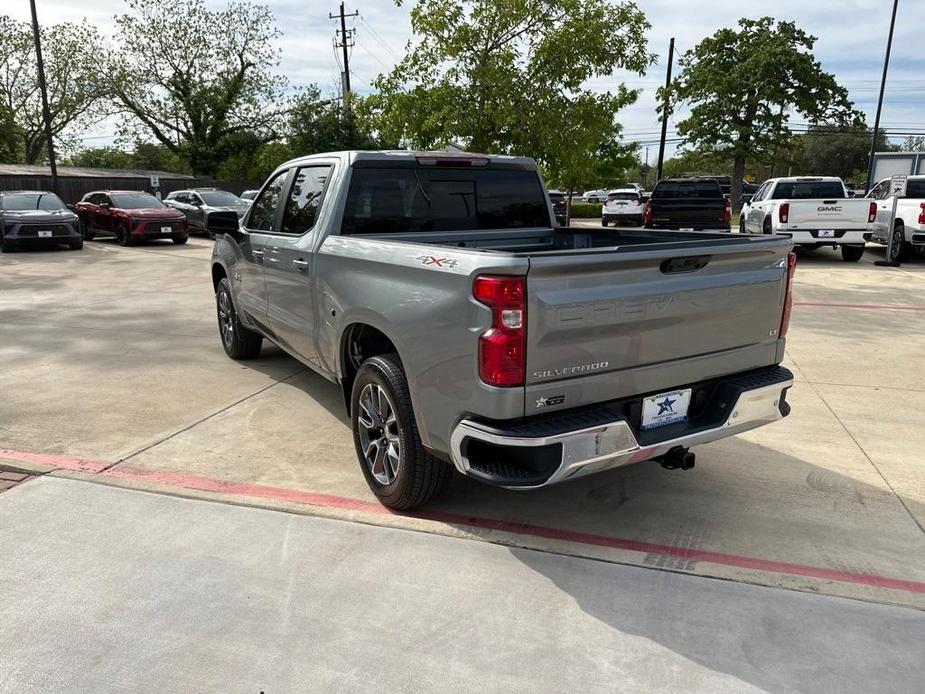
{"x": 130, "y": 216}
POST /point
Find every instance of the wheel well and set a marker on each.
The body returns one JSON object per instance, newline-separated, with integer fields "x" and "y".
{"x": 360, "y": 342}
{"x": 218, "y": 274}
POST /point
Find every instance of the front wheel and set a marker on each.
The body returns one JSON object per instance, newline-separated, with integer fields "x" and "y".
{"x": 180, "y": 240}
{"x": 852, "y": 254}
{"x": 397, "y": 467}
{"x": 76, "y": 245}
{"x": 5, "y": 245}
{"x": 238, "y": 341}
{"x": 124, "y": 235}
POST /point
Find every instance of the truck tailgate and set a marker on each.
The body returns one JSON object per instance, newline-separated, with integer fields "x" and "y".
{"x": 688, "y": 212}
{"x": 828, "y": 214}
{"x": 612, "y": 324}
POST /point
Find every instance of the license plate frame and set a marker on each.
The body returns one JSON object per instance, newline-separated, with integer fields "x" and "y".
{"x": 666, "y": 408}
{"x": 167, "y": 230}
{"x": 45, "y": 233}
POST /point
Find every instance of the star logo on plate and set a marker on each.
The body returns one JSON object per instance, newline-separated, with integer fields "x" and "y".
{"x": 666, "y": 406}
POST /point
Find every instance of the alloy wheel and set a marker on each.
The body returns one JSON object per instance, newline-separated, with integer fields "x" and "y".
{"x": 380, "y": 437}
{"x": 226, "y": 318}
{"x": 898, "y": 240}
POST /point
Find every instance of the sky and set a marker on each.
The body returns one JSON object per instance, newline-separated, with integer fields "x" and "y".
{"x": 851, "y": 35}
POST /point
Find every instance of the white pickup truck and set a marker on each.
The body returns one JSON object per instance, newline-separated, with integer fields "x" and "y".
{"x": 909, "y": 228}
{"x": 814, "y": 211}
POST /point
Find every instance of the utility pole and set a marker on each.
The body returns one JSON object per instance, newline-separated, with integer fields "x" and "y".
{"x": 886, "y": 65}
{"x": 345, "y": 43}
{"x": 661, "y": 143}
{"x": 46, "y": 112}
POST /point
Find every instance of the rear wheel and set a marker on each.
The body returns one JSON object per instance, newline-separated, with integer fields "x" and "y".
{"x": 901, "y": 250}
{"x": 852, "y": 254}
{"x": 603, "y": 222}
{"x": 238, "y": 341}
{"x": 397, "y": 467}
{"x": 766, "y": 227}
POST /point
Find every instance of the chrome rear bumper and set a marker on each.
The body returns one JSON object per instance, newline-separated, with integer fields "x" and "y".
{"x": 613, "y": 444}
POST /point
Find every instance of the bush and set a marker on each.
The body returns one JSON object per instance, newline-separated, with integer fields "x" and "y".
{"x": 586, "y": 210}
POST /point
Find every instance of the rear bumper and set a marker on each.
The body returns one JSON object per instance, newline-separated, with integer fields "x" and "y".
{"x": 542, "y": 451}
{"x": 625, "y": 218}
{"x": 813, "y": 237}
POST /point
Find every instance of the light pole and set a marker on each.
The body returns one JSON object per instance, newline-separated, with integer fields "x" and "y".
{"x": 46, "y": 113}
{"x": 886, "y": 65}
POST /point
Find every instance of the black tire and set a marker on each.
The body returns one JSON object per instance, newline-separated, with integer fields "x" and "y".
{"x": 741, "y": 226}
{"x": 418, "y": 476}
{"x": 124, "y": 235}
{"x": 902, "y": 251}
{"x": 6, "y": 246}
{"x": 76, "y": 245}
{"x": 180, "y": 240}
{"x": 766, "y": 227}
{"x": 603, "y": 222}
{"x": 852, "y": 254}
{"x": 237, "y": 341}
{"x": 85, "y": 233}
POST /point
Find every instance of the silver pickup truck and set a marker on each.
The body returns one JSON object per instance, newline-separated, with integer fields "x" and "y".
{"x": 467, "y": 331}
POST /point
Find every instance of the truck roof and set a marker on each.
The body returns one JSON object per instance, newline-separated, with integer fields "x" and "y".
{"x": 410, "y": 156}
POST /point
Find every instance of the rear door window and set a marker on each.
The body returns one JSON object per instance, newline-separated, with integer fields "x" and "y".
{"x": 394, "y": 200}
{"x": 915, "y": 189}
{"x": 687, "y": 189}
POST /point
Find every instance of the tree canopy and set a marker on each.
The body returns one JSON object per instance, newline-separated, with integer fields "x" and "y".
{"x": 510, "y": 77}
{"x": 71, "y": 56}
{"x": 198, "y": 80}
{"x": 744, "y": 84}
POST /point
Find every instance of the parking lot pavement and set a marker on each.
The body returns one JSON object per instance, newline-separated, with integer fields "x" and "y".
{"x": 106, "y": 589}
{"x": 112, "y": 356}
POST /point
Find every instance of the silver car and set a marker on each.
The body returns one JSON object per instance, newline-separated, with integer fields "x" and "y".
{"x": 198, "y": 203}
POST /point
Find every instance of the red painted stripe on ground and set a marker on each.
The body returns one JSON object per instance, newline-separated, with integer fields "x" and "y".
{"x": 63, "y": 462}
{"x": 870, "y": 307}
{"x": 208, "y": 484}
{"x": 345, "y": 503}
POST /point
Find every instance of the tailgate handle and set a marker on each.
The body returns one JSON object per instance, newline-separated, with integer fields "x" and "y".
{"x": 689, "y": 264}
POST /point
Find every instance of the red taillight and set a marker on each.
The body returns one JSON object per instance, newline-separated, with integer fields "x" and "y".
{"x": 872, "y": 213}
{"x": 647, "y": 213}
{"x": 727, "y": 211}
{"x": 783, "y": 213}
{"x": 502, "y": 348}
{"x": 788, "y": 298}
{"x": 922, "y": 213}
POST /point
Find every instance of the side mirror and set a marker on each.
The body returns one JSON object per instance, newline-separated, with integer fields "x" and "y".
{"x": 222, "y": 223}
{"x": 196, "y": 203}
{"x": 105, "y": 205}
{"x": 71, "y": 207}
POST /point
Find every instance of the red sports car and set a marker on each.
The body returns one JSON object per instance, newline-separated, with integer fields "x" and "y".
{"x": 130, "y": 216}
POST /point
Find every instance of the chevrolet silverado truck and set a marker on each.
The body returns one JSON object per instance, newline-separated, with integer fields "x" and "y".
{"x": 466, "y": 331}
{"x": 815, "y": 211}
{"x": 909, "y": 226}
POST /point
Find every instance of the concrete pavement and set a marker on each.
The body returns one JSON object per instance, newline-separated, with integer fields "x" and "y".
{"x": 112, "y": 354}
{"x": 112, "y": 590}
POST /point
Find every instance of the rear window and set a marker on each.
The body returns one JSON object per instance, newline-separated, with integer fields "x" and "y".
{"x": 622, "y": 196}
{"x": 808, "y": 190}
{"x": 915, "y": 189}
{"x": 687, "y": 189}
{"x": 392, "y": 200}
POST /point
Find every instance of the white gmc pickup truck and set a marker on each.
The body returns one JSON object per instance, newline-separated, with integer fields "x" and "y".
{"x": 909, "y": 228}
{"x": 814, "y": 211}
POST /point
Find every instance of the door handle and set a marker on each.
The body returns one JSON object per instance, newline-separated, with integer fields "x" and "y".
{"x": 257, "y": 253}
{"x": 301, "y": 264}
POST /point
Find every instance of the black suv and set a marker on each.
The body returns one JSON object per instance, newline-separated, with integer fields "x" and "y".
{"x": 687, "y": 204}
{"x": 36, "y": 217}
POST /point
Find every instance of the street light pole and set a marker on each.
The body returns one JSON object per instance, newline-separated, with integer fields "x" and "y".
{"x": 886, "y": 65}
{"x": 661, "y": 142}
{"x": 46, "y": 112}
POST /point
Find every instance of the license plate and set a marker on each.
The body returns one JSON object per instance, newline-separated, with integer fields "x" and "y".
{"x": 166, "y": 230}
{"x": 44, "y": 234}
{"x": 665, "y": 408}
{"x": 826, "y": 233}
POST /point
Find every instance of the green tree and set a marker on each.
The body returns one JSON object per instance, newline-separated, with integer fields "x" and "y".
{"x": 322, "y": 125}
{"x": 834, "y": 151}
{"x": 744, "y": 84}
{"x": 914, "y": 143}
{"x": 100, "y": 158}
{"x": 509, "y": 77}
{"x": 196, "y": 79}
{"x": 72, "y": 74}
{"x": 10, "y": 136}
